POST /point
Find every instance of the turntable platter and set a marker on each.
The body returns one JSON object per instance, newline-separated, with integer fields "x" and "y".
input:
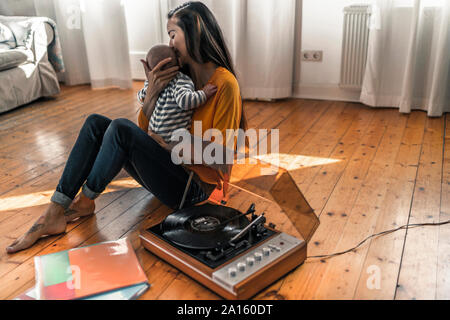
{"x": 199, "y": 227}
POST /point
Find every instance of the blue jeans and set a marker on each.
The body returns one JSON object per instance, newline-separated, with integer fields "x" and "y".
{"x": 105, "y": 146}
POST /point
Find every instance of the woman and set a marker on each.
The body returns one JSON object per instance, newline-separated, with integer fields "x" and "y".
{"x": 106, "y": 146}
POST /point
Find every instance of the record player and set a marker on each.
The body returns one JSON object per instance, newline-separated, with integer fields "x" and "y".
{"x": 227, "y": 244}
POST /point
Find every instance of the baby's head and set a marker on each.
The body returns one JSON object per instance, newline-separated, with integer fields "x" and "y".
{"x": 159, "y": 53}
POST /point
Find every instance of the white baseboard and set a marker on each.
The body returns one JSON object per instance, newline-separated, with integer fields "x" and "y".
{"x": 326, "y": 92}
{"x": 137, "y": 71}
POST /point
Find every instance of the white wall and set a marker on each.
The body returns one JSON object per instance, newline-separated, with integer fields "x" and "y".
{"x": 322, "y": 30}
{"x": 139, "y": 23}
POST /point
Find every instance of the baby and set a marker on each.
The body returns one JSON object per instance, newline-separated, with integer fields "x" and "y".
{"x": 177, "y": 101}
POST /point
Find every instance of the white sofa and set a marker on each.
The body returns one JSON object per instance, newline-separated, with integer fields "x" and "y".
{"x": 26, "y": 73}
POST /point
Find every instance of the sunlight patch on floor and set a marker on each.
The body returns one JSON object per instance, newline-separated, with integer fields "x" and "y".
{"x": 274, "y": 163}
{"x": 295, "y": 162}
{"x": 43, "y": 197}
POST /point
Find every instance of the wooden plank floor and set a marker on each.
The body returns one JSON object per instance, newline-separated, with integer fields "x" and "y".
{"x": 363, "y": 171}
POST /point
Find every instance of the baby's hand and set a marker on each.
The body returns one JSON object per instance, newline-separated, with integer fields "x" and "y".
{"x": 209, "y": 90}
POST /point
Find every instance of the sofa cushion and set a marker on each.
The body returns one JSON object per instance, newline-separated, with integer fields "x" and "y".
{"x": 13, "y": 58}
{"x": 6, "y": 36}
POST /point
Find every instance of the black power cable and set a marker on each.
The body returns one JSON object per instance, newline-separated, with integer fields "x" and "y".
{"x": 326, "y": 256}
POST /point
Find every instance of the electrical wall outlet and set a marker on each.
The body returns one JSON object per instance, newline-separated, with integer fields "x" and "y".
{"x": 312, "y": 55}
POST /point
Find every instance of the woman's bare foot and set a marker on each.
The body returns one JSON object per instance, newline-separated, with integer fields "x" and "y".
{"x": 81, "y": 206}
{"x": 50, "y": 223}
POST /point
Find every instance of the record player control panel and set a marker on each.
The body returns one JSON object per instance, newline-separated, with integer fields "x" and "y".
{"x": 256, "y": 259}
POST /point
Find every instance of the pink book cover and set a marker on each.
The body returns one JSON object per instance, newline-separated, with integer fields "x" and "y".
{"x": 87, "y": 271}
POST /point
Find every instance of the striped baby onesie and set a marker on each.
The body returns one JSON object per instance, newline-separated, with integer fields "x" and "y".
{"x": 174, "y": 107}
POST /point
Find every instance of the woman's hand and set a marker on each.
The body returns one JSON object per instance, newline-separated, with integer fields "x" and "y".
{"x": 158, "y": 79}
{"x": 159, "y": 140}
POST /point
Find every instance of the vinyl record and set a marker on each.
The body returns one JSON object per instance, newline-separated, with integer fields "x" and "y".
{"x": 198, "y": 227}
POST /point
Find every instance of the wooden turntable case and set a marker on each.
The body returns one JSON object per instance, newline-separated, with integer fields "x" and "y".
{"x": 278, "y": 196}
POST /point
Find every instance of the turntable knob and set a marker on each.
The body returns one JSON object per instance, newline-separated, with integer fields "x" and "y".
{"x": 250, "y": 261}
{"x": 258, "y": 256}
{"x": 241, "y": 266}
{"x": 274, "y": 248}
{"x": 232, "y": 272}
{"x": 266, "y": 251}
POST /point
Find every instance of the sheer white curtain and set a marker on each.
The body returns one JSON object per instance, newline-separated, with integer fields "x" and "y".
{"x": 261, "y": 37}
{"x": 408, "y": 63}
{"x": 93, "y": 39}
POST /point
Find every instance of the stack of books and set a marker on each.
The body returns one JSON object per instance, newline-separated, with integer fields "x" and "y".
{"x": 103, "y": 271}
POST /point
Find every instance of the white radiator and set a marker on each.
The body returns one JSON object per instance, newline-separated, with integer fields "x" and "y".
{"x": 354, "y": 46}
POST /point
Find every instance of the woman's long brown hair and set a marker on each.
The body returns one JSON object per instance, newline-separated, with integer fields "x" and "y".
{"x": 204, "y": 39}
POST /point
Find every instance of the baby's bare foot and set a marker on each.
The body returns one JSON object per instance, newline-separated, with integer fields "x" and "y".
{"x": 80, "y": 207}
{"x": 50, "y": 223}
